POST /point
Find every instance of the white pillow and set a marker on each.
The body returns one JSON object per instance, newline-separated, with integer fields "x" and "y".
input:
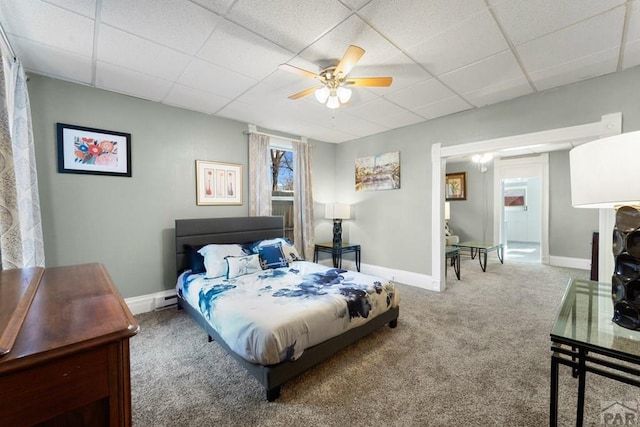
{"x": 290, "y": 252}
{"x": 241, "y": 265}
{"x": 214, "y": 258}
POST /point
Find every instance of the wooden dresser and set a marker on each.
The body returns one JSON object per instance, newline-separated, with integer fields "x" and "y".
{"x": 64, "y": 333}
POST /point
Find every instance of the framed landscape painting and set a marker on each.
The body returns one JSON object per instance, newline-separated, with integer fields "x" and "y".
{"x": 85, "y": 150}
{"x": 380, "y": 172}
{"x": 218, "y": 183}
{"x": 456, "y": 186}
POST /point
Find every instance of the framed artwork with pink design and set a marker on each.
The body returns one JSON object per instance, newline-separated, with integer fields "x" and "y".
{"x": 85, "y": 150}
{"x": 218, "y": 183}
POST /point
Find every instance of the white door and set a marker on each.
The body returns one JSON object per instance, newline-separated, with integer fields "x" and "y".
{"x": 526, "y": 219}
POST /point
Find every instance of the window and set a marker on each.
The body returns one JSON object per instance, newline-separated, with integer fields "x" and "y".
{"x": 282, "y": 186}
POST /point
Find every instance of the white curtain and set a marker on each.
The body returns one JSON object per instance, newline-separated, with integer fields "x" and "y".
{"x": 303, "y": 200}
{"x": 259, "y": 175}
{"x": 21, "y": 243}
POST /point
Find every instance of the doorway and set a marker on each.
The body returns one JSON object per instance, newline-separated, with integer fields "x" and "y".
{"x": 521, "y": 207}
{"x": 522, "y": 210}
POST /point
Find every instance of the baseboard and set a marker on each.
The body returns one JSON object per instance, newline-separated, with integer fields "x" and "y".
{"x": 145, "y": 303}
{"x": 579, "y": 263}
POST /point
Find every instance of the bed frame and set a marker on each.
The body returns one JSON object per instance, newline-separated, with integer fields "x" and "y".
{"x": 198, "y": 232}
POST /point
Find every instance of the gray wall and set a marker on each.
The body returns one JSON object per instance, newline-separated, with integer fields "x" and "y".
{"x": 128, "y": 223}
{"x": 394, "y": 226}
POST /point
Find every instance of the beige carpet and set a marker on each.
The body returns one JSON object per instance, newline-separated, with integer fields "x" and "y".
{"x": 475, "y": 355}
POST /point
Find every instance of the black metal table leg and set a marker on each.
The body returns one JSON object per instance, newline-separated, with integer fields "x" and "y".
{"x": 582, "y": 373}
{"x": 456, "y": 266}
{"x": 358, "y": 257}
{"x": 481, "y": 255}
{"x": 501, "y": 254}
{"x": 553, "y": 399}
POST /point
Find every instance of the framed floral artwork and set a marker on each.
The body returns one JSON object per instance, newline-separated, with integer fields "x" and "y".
{"x": 456, "y": 186}
{"x": 218, "y": 183}
{"x": 92, "y": 151}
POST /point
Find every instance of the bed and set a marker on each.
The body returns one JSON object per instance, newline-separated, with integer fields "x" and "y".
{"x": 274, "y": 367}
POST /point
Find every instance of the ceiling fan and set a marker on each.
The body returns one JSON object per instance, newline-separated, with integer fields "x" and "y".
{"x": 334, "y": 80}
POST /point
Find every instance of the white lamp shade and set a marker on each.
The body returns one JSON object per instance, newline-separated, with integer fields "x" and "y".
{"x": 344, "y": 94}
{"x": 333, "y": 102}
{"x": 604, "y": 172}
{"x": 337, "y": 211}
{"x": 322, "y": 94}
{"x": 447, "y": 210}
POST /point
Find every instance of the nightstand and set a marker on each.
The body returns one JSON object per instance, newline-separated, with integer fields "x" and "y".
{"x": 337, "y": 252}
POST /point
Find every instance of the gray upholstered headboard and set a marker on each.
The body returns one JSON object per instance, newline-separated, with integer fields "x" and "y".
{"x": 199, "y": 232}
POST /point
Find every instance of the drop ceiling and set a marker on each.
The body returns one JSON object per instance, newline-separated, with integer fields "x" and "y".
{"x": 221, "y": 57}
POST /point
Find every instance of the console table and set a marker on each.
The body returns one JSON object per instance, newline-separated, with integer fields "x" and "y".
{"x": 585, "y": 338}
{"x": 337, "y": 252}
{"x": 65, "y": 334}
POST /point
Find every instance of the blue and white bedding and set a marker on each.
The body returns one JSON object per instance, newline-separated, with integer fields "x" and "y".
{"x": 272, "y": 315}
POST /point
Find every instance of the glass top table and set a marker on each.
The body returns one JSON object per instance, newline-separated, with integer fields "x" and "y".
{"x": 481, "y": 249}
{"x": 585, "y": 338}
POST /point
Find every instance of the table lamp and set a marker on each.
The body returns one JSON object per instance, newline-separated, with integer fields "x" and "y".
{"x": 337, "y": 212}
{"x": 604, "y": 175}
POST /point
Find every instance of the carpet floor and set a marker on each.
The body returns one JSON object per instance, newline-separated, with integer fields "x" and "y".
{"x": 477, "y": 354}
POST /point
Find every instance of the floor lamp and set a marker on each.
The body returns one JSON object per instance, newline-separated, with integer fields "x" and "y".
{"x": 605, "y": 175}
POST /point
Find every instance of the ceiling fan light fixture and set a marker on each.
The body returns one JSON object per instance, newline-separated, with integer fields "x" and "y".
{"x": 333, "y": 102}
{"x": 344, "y": 94}
{"x": 322, "y": 94}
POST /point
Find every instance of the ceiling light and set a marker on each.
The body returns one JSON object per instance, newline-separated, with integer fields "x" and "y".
{"x": 333, "y": 102}
{"x": 322, "y": 94}
{"x": 344, "y": 94}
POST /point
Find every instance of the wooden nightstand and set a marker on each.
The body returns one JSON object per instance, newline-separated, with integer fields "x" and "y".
{"x": 337, "y": 252}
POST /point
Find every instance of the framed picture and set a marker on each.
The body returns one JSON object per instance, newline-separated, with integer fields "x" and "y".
{"x": 516, "y": 197}
{"x": 456, "y": 186}
{"x": 92, "y": 151}
{"x": 218, "y": 183}
{"x": 380, "y": 172}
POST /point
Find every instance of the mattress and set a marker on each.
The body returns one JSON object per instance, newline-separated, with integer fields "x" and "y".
{"x": 271, "y": 316}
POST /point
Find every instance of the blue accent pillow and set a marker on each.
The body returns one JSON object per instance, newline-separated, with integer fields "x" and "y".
{"x": 271, "y": 256}
{"x": 194, "y": 259}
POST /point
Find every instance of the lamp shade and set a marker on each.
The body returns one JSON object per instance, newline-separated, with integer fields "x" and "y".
{"x": 604, "y": 173}
{"x": 337, "y": 211}
{"x": 447, "y": 210}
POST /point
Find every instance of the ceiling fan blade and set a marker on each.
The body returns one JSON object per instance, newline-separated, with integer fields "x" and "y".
{"x": 350, "y": 58}
{"x": 370, "y": 81}
{"x": 296, "y": 70}
{"x": 304, "y": 93}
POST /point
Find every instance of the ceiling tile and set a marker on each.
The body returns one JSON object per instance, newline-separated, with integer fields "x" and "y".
{"x": 501, "y": 91}
{"x": 354, "y": 4}
{"x": 545, "y": 16}
{"x": 403, "y": 20}
{"x": 471, "y": 40}
{"x": 47, "y": 24}
{"x": 304, "y": 22}
{"x": 585, "y": 39}
{"x": 235, "y": 48}
{"x": 424, "y": 93}
{"x": 243, "y": 112}
{"x": 129, "y": 51}
{"x": 218, "y": 6}
{"x": 212, "y": 78}
{"x": 186, "y": 97}
{"x": 442, "y": 108}
{"x": 349, "y": 123}
{"x": 384, "y": 113}
{"x": 404, "y": 71}
{"x": 331, "y": 47}
{"x": 49, "y": 61}
{"x": 490, "y": 71}
{"x": 179, "y": 24}
{"x": 579, "y": 69}
{"x": 83, "y": 7}
{"x": 118, "y": 79}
